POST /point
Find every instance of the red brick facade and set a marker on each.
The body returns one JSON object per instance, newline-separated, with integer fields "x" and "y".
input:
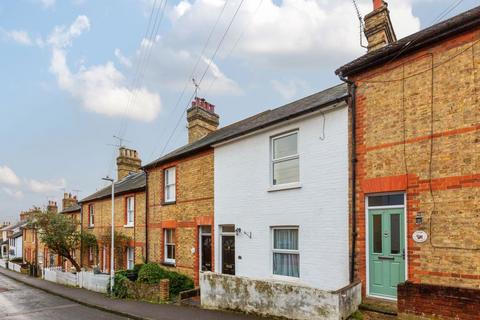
{"x": 418, "y": 132}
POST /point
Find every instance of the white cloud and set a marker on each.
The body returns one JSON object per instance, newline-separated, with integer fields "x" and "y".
{"x": 47, "y": 3}
{"x": 290, "y": 33}
{"x": 20, "y": 36}
{"x": 100, "y": 88}
{"x": 290, "y": 89}
{"x": 122, "y": 59}
{"x": 46, "y": 186}
{"x": 16, "y": 194}
{"x": 8, "y": 176}
{"x": 62, "y": 37}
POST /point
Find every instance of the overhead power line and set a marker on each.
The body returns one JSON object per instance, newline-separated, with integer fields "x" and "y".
{"x": 212, "y": 58}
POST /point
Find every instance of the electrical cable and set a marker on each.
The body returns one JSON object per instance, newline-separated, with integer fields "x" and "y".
{"x": 205, "y": 72}
{"x": 205, "y": 46}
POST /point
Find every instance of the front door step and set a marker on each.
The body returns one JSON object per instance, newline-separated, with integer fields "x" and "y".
{"x": 379, "y": 305}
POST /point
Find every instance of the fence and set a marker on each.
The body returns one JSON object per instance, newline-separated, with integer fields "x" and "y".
{"x": 82, "y": 279}
{"x": 14, "y": 266}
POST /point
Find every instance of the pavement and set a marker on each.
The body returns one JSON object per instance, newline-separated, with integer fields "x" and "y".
{"x": 121, "y": 308}
{"x": 21, "y": 302}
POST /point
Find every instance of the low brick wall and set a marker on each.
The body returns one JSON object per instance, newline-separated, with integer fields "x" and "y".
{"x": 438, "y": 302}
{"x": 148, "y": 292}
{"x": 276, "y": 298}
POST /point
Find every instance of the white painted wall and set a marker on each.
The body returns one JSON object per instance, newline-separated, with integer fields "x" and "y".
{"x": 319, "y": 207}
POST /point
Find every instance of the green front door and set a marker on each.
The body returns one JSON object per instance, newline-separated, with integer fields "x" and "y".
{"x": 386, "y": 243}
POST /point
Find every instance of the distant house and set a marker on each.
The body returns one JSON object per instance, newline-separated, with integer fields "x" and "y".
{"x": 4, "y": 233}
{"x": 16, "y": 241}
{"x": 129, "y": 217}
{"x": 282, "y": 211}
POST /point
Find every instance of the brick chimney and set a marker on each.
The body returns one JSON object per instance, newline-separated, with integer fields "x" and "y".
{"x": 378, "y": 26}
{"x": 127, "y": 162}
{"x": 202, "y": 119}
{"x": 68, "y": 201}
{"x": 51, "y": 207}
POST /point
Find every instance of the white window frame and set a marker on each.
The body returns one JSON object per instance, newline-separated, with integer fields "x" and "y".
{"x": 287, "y": 251}
{"x": 130, "y": 211}
{"x": 273, "y": 161}
{"x": 168, "y": 184}
{"x": 130, "y": 258}
{"x": 90, "y": 254}
{"x": 91, "y": 213}
{"x": 165, "y": 250}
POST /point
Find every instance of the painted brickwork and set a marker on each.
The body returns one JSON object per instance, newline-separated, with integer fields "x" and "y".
{"x": 193, "y": 208}
{"x": 102, "y": 225}
{"x": 437, "y": 163}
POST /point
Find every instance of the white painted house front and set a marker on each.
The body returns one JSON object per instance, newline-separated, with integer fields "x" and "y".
{"x": 281, "y": 210}
{"x": 313, "y": 208}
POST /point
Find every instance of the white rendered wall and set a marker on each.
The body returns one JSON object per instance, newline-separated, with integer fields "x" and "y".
{"x": 319, "y": 208}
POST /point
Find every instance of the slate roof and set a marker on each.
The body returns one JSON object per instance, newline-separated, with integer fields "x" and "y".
{"x": 325, "y": 98}
{"x": 463, "y": 22}
{"x": 132, "y": 182}
{"x": 76, "y": 207}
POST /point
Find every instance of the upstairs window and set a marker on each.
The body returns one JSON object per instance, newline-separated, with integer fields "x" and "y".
{"x": 169, "y": 240}
{"x": 169, "y": 178}
{"x": 91, "y": 216}
{"x": 286, "y": 256}
{"x": 130, "y": 214}
{"x": 285, "y": 159}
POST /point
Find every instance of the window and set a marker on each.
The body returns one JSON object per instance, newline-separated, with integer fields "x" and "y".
{"x": 91, "y": 215}
{"x": 386, "y": 200}
{"x": 285, "y": 159}
{"x": 130, "y": 258}
{"x": 169, "y": 241}
{"x": 130, "y": 211}
{"x": 90, "y": 254}
{"x": 169, "y": 177}
{"x": 286, "y": 257}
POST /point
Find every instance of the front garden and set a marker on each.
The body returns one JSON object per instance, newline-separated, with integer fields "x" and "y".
{"x": 150, "y": 282}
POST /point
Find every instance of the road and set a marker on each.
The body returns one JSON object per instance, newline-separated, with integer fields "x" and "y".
{"x": 21, "y": 302}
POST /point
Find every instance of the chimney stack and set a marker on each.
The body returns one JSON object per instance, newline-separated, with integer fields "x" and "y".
{"x": 202, "y": 119}
{"x": 378, "y": 26}
{"x": 52, "y": 206}
{"x": 68, "y": 200}
{"x": 127, "y": 162}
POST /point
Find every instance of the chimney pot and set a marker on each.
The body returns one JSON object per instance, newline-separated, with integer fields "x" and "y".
{"x": 377, "y": 4}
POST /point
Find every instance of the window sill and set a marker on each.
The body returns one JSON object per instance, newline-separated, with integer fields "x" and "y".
{"x": 128, "y": 226}
{"x": 167, "y": 203}
{"x": 91, "y": 227}
{"x": 287, "y": 186}
{"x": 285, "y": 278}
{"x": 168, "y": 264}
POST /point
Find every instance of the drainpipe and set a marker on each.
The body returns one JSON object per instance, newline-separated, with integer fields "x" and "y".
{"x": 81, "y": 233}
{"x": 352, "y": 87}
{"x": 146, "y": 215}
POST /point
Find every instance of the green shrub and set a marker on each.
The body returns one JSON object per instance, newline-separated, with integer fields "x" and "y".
{"x": 119, "y": 285}
{"x": 179, "y": 283}
{"x": 151, "y": 273}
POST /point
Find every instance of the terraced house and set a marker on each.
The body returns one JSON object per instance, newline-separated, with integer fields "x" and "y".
{"x": 180, "y": 198}
{"x": 129, "y": 217}
{"x": 417, "y": 149}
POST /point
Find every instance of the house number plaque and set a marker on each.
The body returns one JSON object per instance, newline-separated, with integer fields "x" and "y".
{"x": 419, "y": 236}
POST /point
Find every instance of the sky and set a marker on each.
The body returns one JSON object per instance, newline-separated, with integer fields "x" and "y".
{"x": 74, "y": 73}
